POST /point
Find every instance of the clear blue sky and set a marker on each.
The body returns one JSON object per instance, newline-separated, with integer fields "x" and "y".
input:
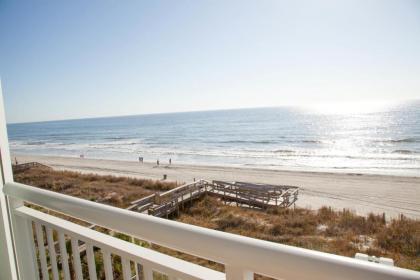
{"x": 74, "y": 59}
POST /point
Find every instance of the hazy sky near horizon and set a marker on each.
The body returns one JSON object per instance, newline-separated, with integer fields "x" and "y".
{"x": 75, "y": 59}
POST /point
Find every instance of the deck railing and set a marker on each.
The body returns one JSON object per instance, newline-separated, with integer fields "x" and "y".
{"x": 242, "y": 256}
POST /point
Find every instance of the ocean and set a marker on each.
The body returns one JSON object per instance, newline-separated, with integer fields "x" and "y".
{"x": 284, "y": 138}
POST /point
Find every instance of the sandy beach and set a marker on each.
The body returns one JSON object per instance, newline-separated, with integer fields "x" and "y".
{"x": 392, "y": 195}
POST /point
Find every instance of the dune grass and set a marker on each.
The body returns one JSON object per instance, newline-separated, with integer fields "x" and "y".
{"x": 112, "y": 190}
{"x": 339, "y": 232}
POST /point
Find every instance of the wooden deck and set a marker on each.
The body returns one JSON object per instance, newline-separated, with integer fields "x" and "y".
{"x": 246, "y": 194}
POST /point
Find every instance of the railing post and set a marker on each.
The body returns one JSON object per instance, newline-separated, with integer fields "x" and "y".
{"x": 18, "y": 262}
{"x": 7, "y": 256}
{"x": 8, "y": 266}
{"x": 238, "y": 273}
{"x": 25, "y": 248}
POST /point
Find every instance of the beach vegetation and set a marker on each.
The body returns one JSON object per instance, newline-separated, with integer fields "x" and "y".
{"x": 341, "y": 232}
{"x": 113, "y": 190}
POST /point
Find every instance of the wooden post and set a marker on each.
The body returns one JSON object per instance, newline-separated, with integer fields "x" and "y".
{"x": 236, "y": 194}
{"x": 190, "y": 196}
{"x": 157, "y": 199}
{"x": 224, "y": 194}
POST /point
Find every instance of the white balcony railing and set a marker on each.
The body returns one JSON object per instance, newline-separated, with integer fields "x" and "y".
{"x": 25, "y": 251}
{"x": 241, "y": 256}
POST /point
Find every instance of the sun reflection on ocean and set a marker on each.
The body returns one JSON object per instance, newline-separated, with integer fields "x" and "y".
{"x": 349, "y": 129}
{"x": 349, "y": 107}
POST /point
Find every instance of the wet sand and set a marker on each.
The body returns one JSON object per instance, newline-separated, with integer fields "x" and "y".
{"x": 392, "y": 195}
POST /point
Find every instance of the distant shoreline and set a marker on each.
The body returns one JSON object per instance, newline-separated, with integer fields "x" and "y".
{"x": 164, "y": 163}
{"x": 256, "y": 166}
{"x": 362, "y": 193}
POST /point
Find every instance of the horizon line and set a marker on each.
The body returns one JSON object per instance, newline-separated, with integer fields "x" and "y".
{"x": 190, "y": 111}
{"x": 150, "y": 114}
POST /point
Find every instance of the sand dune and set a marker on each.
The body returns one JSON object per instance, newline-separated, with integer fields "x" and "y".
{"x": 392, "y": 195}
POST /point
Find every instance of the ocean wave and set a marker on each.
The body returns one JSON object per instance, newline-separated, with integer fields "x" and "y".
{"x": 112, "y": 144}
{"x": 405, "y": 152}
{"x": 356, "y": 157}
{"x": 247, "y": 141}
{"x": 402, "y": 140}
{"x": 35, "y": 143}
{"x": 313, "y": 141}
{"x": 116, "y": 138}
{"x": 284, "y": 151}
{"x": 132, "y": 147}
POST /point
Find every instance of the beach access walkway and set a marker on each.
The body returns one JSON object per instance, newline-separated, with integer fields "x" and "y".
{"x": 246, "y": 194}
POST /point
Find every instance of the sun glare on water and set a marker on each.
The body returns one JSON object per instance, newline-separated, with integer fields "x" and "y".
{"x": 349, "y": 107}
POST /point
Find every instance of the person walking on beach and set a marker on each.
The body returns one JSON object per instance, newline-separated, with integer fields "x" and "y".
{"x": 170, "y": 161}
{"x": 141, "y": 159}
{"x": 157, "y": 162}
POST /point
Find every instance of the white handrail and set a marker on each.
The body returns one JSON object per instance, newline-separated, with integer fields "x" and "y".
{"x": 262, "y": 257}
{"x": 163, "y": 263}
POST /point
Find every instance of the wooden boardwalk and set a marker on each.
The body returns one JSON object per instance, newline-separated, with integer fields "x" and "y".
{"x": 248, "y": 194}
